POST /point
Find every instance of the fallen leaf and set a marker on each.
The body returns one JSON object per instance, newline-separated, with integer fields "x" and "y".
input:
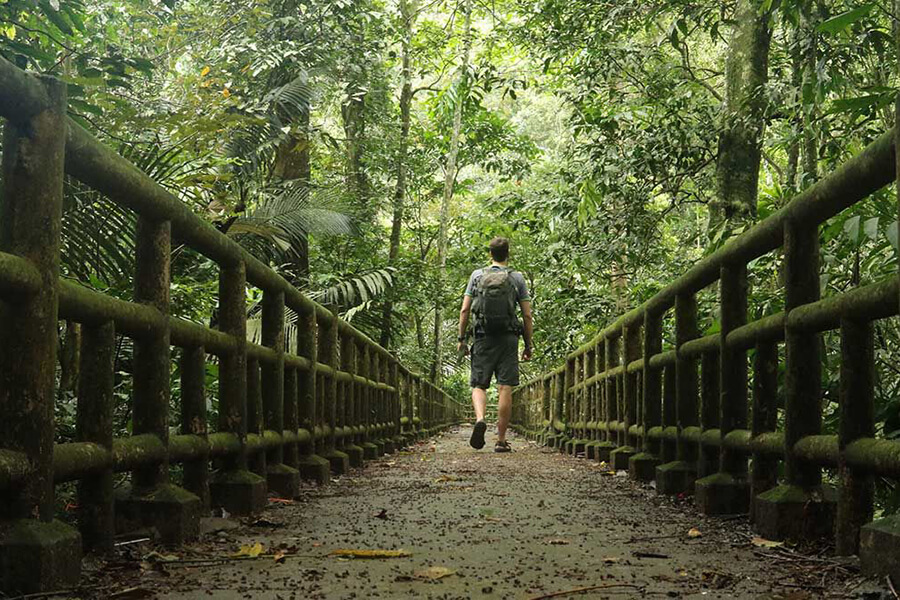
{"x": 610, "y": 559}
{"x": 433, "y": 573}
{"x": 155, "y": 556}
{"x": 370, "y": 553}
{"x": 250, "y": 550}
{"x": 693, "y": 532}
{"x": 281, "y": 500}
{"x": 280, "y": 556}
{"x": 444, "y": 478}
{"x": 316, "y": 544}
{"x": 764, "y": 543}
{"x": 382, "y": 514}
{"x": 558, "y": 542}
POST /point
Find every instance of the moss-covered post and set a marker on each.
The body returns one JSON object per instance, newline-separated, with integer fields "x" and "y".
{"x": 678, "y": 476}
{"x": 857, "y": 409}
{"x": 152, "y": 501}
{"x": 94, "y": 423}
{"x": 192, "y": 365}
{"x": 370, "y": 450}
{"x": 709, "y": 410}
{"x": 37, "y": 553}
{"x": 642, "y": 466}
{"x": 374, "y": 416}
{"x": 311, "y": 465}
{"x": 764, "y": 469}
{"x": 328, "y": 355}
{"x": 800, "y": 508}
{"x": 728, "y": 491}
{"x": 350, "y": 390}
{"x": 256, "y": 460}
{"x": 396, "y": 404}
{"x": 669, "y": 415}
{"x": 280, "y": 478}
{"x": 291, "y": 417}
{"x": 232, "y": 486}
{"x": 631, "y": 336}
{"x": 879, "y": 541}
{"x": 546, "y": 409}
{"x": 611, "y": 354}
{"x": 573, "y": 372}
{"x": 593, "y": 412}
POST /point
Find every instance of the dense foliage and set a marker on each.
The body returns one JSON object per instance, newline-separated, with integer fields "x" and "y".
{"x": 604, "y": 138}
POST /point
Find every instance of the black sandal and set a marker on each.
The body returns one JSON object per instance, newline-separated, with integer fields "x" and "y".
{"x": 477, "y": 439}
{"x": 502, "y": 447}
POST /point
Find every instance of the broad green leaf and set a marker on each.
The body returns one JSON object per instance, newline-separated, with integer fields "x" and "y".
{"x": 870, "y": 227}
{"x": 846, "y": 19}
{"x": 892, "y": 236}
{"x": 851, "y": 229}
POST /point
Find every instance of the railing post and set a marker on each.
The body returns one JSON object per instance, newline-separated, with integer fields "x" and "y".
{"x": 370, "y": 450}
{"x": 857, "y": 409}
{"x": 546, "y": 384}
{"x": 94, "y": 423}
{"x": 678, "y": 476}
{"x": 642, "y": 466}
{"x": 333, "y": 415}
{"x": 557, "y": 419}
{"x": 257, "y": 459}
{"x": 611, "y": 354}
{"x": 280, "y": 478}
{"x": 311, "y": 465}
{"x": 709, "y": 410}
{"x": 37, "y": 553}
{"x": 291, "y": 418}
{"x": 152, "y": 500}
{"x": 764, "y": 469}
{"x": 575, "y": 443}
{"x": 232, "y": 486}
{"x": 350, "y": 391}
{"x": 396, "y": 403}
{"x": 801, "y": 507}
{"x": 728, "y": 491}
{"x": 631, "y": 337}
{"x": 669, "y": 416}
{"x": 192, "y": 365}
{"x": 593, "y": 412}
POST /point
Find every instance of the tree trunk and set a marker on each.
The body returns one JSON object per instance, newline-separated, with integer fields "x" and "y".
{"x": 408, "y": 15}
{"x": 740, "y": 141}
{"x": 292, "y": 164}
{"x": 449, "y": 180}
{"x": 354, "y": 117}
{"x": 70, "y": 358}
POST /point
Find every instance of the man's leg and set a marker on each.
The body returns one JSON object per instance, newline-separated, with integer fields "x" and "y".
{"x": 479, "y": 403}
{"x": 504, "y": 410}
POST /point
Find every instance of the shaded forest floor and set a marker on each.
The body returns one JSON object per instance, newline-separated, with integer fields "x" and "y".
{"x": 478, "y": 525}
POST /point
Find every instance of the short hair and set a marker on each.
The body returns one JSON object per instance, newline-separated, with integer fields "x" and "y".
{"x": 499, "y": 247}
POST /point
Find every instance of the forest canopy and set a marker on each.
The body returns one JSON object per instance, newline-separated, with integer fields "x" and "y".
{"x": 370, "y": 149}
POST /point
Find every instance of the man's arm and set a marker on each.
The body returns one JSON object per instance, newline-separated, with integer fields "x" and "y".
{"x": 525, "y": 305}
{"x": 464, "y": 323}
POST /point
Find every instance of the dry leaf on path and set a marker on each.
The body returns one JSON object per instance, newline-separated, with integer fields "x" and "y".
{"x": 133, "y": 593}
{"x": 444, "y": 478}
{"x": 280, "y": 556}
{"x": 610, "y": 559}
{"x": 764, "y": 543}
{"x": 693, "y": 532}
{"x": 370, "y": 553}
{"x": 252, "y": 551}
{"x": 281, "y": 500}
{"x": 433, "y": 573}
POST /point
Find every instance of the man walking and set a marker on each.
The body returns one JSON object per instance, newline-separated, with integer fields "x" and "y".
{"x": 492, "y": 295}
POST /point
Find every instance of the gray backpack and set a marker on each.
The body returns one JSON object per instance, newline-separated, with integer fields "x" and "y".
{"x": 494, "y": 302}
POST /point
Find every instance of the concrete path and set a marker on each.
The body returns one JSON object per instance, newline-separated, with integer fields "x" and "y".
{"x": 520, "y": 526}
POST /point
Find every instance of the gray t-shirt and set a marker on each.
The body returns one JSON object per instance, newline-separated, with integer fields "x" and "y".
{"x": 517, "y": 279}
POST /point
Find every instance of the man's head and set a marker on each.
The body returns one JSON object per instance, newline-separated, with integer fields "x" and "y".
{"x": 499, "y": 247}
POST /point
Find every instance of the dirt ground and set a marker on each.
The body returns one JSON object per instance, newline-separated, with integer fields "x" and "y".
{"x": 523, "y": 525}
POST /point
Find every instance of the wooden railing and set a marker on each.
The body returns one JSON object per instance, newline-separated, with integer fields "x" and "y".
{"x": 339, "y": 400}
{"x": 626, "y": 399}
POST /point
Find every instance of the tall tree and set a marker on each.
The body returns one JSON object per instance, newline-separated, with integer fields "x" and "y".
{"x": 408, "y": 12}
{"x": 740, "y": 139}
{"x": 461, "y": 86}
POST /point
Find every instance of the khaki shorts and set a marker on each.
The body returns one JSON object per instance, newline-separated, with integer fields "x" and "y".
{"x": 495, "y": 355}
